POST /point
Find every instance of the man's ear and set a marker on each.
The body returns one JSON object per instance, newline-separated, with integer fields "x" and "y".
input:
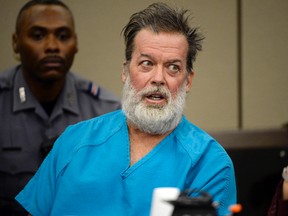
{"x": 124, "y": 72}
{"x": 15, "y": 43}
{"x": 190, "y": 78}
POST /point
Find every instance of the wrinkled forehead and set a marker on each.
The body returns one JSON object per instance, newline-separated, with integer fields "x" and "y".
{"x": 167, "y": 43}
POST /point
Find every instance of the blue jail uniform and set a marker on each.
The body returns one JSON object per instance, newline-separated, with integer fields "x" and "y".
{"x": 88, "y": 171}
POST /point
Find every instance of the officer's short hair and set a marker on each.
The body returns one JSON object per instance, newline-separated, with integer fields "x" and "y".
{"x": 31, "y": 3}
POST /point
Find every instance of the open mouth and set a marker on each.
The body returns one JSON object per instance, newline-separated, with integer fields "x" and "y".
{"x": 156, "y": 96}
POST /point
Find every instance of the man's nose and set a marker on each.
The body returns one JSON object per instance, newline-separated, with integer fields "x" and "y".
{"x": 158, "y": 77}
{"x": 52, "y": 44}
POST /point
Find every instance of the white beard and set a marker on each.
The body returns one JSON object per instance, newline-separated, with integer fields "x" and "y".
{"x": 153, "y": 119}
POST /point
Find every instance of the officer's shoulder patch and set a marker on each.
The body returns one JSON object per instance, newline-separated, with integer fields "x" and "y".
{"x": 93, "y": 89}
{"x": 87, "y": 86}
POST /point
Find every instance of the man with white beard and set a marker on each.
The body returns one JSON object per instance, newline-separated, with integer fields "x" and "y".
{"x": 115, "y": 161}
{"x": 153, "y": 118}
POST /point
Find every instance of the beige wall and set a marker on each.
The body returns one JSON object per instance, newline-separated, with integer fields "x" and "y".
{"x": 213, "y": 101}
{"x": 265, "y": 63}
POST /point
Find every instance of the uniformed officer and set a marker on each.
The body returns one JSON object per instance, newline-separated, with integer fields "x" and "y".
{"x": 40, "y": 97}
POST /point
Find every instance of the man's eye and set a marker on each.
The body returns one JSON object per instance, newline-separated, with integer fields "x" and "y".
{"x": 174, "y": 68}
{"x": 37, "y": 35}
{"x": 146, "y": 65}
{"x": 64, "y": 36}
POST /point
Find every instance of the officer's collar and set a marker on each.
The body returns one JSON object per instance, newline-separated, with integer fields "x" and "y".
{"x": 68, "y": 98}
{"x": 24, "y": 99}
{"x": 22, "y": 96}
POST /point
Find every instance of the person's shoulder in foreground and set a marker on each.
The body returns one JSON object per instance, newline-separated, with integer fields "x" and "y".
{"x": 279, "y": 203}
{"x": 115, "y": 161}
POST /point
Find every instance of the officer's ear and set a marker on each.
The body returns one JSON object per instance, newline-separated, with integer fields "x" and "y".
{"x": 15, "y": 43}
{"x": 76, "y": 44}
{"x": 125, "y": 71}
